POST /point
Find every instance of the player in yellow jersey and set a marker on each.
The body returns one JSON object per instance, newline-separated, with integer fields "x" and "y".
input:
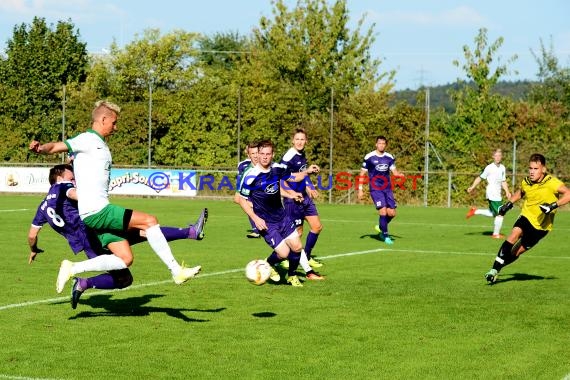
{"x": 542, "y": 194}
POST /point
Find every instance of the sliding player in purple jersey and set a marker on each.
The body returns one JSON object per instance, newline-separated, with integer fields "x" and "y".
{"x": 379, "y": 165}
{"x": 296, "y": 161}
{"x": 251, "y": 151}
{"x": 261, "y": 185}
{"x": 59, "y": 210}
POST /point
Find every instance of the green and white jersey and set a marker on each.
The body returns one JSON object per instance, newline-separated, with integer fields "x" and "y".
{"x": 495, "y": 176}
{"x": 92, "y": 169}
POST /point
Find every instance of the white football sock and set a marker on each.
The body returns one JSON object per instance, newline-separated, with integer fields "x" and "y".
{"x": 101, "y": 263}
{"x": 304, "y": 261}
{"x": 160, "y": 246}
{"x": 498, "y": 225}
{"x": 484, "y": 212}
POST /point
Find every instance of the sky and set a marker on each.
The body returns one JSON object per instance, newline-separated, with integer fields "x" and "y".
{"x": 418, "y": 38}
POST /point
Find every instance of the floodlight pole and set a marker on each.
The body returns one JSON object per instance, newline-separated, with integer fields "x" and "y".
{"x": 150, "y": 80}
{"x": 331, "y": 145}
{"x": 426, "y": 152}
{"x": 63, "y": 123}
{"x": 239, "y": 127}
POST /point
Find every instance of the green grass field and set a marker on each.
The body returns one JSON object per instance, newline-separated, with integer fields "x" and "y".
{"x": 419, "y": 309}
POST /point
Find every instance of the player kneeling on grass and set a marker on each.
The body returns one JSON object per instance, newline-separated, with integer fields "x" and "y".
{"x": 542, "y": 194}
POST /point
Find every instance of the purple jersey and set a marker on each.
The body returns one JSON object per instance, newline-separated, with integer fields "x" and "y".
{"x": 262, "y": 189}
{"x": 60, "y": 212}
{"x": 379, "y": 167}
{"x": 297, "y": 162}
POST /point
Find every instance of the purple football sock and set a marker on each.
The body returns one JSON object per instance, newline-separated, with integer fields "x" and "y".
{"x": 273, "y": 259}
{"x": 294, "y": 258}
{"x": 310, "y": 243}
{"x": 101, "y": 281}
{"x": 174, "y": 233}
{"x": 384, "y": 225}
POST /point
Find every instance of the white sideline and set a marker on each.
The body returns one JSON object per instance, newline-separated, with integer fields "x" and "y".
{"x": 330, "y": 257}
{"x": 24, "y": 378}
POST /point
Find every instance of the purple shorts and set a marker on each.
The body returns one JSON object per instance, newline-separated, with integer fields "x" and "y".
{"x": 299, "y": 210}
{"x": 383, "y": 198}
{"x": 277, "y": 232}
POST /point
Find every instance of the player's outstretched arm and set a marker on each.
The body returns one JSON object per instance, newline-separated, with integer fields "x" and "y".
{"x": 48, "y": 148}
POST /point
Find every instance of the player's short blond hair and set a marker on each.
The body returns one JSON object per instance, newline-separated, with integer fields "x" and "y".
{"x": 103, "y": 107}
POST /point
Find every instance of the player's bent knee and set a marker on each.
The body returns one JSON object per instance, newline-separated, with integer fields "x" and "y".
{"x": 295, "y": 245}
{"x": 317, "y": 229}
{"x": 123, "y": 278}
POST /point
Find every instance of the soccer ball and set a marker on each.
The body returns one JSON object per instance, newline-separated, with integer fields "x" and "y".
{"x": 257, "y": 271}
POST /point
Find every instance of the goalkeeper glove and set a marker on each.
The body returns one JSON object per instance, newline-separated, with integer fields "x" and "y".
{"x": 503, "y": 209}
{"x": 547, "y": 208}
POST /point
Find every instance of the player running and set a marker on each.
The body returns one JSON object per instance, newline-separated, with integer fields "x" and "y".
{"x": 261, "y": 185}
{"x": 495, "y": 174}
{"x": 379, "y": 165}
{"x": 306, "y": 209}
{"x": 542, "y": 194}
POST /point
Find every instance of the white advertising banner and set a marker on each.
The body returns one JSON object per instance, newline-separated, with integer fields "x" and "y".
{"x": 157, "y": 182}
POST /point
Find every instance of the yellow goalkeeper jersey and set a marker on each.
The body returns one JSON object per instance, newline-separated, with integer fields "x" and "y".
{"x": 535, "y": 194}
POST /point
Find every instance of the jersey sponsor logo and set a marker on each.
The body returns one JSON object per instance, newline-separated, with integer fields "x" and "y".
{"x": 272, "y": 188}
{"x": 381, "y": 167}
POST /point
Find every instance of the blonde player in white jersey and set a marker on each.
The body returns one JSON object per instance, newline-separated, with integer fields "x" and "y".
{"x": 92, "y": 167}
{"x": 496, "y": 176}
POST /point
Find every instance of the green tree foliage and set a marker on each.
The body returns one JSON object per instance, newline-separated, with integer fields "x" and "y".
{"x": 311, "y": 47}
{"x": 164, "y": 64}
{"x": 479, "y": 121}
{"x": 554, "y": 81}
{"x": 39, "y": 61}
{"x": 223, "y": 50}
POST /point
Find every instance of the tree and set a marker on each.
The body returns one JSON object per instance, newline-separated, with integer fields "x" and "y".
{"x": 554, "y": 81}
{"x": 480, "y": 122}
{"x": 311, "y": 47}
{"x": 223, "y": 50}
{"x": 164, "y": 63}
{"x": 39, "y": 61}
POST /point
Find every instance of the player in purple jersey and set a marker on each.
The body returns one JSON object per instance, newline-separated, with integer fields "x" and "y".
{"x": 296, "y": 161}
{"x": 59, "y": 210}
{"x": 251, "y": 151}
{"x": 379, "y": 165}
{"x": 261, "y": 185}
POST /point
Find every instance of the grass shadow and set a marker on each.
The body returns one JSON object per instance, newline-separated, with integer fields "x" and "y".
{"x": 264, "y": 314}
{"x": 484, "y": 233}
{"x": 134, "y": 307}
{"x": 522, "y": 277}
{"x": 376, "y": 236}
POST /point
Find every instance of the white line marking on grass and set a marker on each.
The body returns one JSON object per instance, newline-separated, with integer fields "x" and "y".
{"x": 60, "y": 299}
{"x": 16, "y": 209}
{"x": 24, "y": 378}
{"x": 330, "y": 257}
